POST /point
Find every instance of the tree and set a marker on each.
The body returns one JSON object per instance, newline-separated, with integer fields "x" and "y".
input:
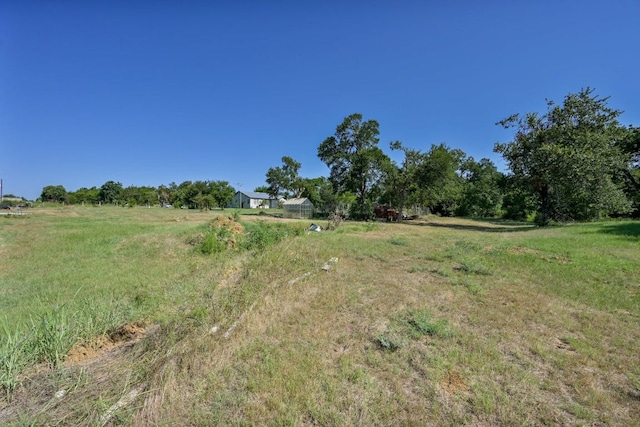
{"x": 84, "y": 195}
{"x": 134, "y": 195}
{"x": 567, "y": 158}
{"x": 221, "y": 192}
{"x": 355, "y": 161}
{"x": 184, "y": 194}
{"x": 284, "y": 180}
{"x": 439, "y": 179}
{"x": 401, "y": 179}
{"x": 320, "y": 192}
{"x": 262, "y": 189}
{"x": 110, "y": 192}
{"x": 481, "y": 194}
{"x": 630, "y": 174}
{"x": 163, "y": 194}
{"x": 54, "y": 193}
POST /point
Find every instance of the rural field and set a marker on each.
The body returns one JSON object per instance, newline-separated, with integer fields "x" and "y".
{"x": 135, "y": 316}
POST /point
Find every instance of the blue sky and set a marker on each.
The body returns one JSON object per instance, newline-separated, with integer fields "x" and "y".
{"x": 149, "y": 93}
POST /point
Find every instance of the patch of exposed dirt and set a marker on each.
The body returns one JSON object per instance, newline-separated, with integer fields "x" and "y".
{"x": 521, "y": 250}
{"x": 103, "y": 366}
{"x": 454, "y": 382}
{"x": 125, "y": 335}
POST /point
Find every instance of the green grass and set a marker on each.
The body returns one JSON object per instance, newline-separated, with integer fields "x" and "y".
{"x": 436, "y": 322}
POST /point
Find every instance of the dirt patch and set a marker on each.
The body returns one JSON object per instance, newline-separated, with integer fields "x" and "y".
{"x": 521, "y": 250}
{"x": 563, "y": 344}
{"x": 124, "y": 335}
{"x": 454, "y": 382}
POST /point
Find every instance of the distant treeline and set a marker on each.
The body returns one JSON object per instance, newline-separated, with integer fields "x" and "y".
{"x": 575, "y": 162}
{"x": 194, "y": 195}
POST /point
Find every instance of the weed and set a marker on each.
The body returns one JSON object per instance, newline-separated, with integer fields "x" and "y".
{"x": 472, "y": 266}
{"x": 398, "y": 241}
{"x": 470, "y": 284}
{"x": 261, "y": 234}
{"x": 634, "y": 377}
{"x": 418, "y": 268}
{"x": 412, "y": 325}
{"x": 12, "y": 356}
{"x": 213, "y": 242}
{"x": 391, "y": 341}
{"x": 420, "y": 323}
{"x": 350, "y": 372}
{"x": 53, "y": 335}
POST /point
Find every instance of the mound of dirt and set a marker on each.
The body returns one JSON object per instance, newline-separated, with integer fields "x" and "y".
{"x": 227, "y": 222}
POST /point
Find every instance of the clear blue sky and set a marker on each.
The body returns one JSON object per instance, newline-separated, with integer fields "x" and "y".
{"x": 154, "y": 92}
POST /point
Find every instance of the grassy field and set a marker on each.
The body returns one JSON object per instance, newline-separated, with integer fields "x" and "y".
{"x": 431, "y": 322}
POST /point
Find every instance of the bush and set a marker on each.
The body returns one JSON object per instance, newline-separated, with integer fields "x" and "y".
{"x": 262, "y": 234}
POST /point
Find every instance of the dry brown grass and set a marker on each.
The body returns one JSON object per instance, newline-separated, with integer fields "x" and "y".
{"x": 306, "y": 352}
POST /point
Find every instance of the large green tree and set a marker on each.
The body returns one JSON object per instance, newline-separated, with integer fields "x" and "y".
{"x": 568, "y": 158}
{"x": 439, "y": 179}
{"x": 110, "y": 192}
{"x": 355, "y": 161}
{"x": 481, "y": 194}
{"x": 53, "y": 193}
{"x": 221, "y": 192}
{"x": 85, "y": 195}
{"x": 320, "y": 192}
{"x": 630, "y": 175}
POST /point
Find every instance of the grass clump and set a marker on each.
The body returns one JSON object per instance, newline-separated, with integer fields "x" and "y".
{"x": 399, "y": 241}
{"x": 634, "y": 377}
{"x": 226, "y": 233}
{"x": 413, "y": 325}
{"x": 419, "y": 322}
{"x": 13, "y": 356}
{"x": 219, "y": 234}
{"x": 261, "y": 234}
{"x": 391, "y": 341}
{"x": 53, "y": 335}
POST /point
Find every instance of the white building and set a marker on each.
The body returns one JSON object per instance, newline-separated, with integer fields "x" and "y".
{"x": 253, "y": 200}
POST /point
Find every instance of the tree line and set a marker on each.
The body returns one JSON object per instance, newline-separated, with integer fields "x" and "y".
{"x": 188, "y": 194}
{"x": 575, "y": 162}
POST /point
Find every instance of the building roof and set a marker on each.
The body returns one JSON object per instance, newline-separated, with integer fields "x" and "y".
{"x": 256, "y": 195}
{"x": 298, "y": 201}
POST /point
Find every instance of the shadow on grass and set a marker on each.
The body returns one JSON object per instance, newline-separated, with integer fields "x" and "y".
{"x": 629, "y": 230}
{"x": 497, "y": 226}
